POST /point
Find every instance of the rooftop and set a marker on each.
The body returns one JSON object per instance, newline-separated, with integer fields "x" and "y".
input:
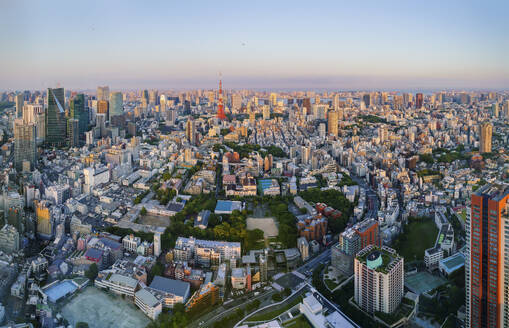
{"x": 172, "y": 286}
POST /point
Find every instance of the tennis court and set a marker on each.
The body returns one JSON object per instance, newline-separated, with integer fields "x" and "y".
{"x": 59, "y": 290}
{"x": 422, "y": 282}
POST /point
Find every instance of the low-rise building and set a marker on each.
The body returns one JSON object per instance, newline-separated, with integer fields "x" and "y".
{"x": 148, "y": 303}
{"x": 170, "y": 291}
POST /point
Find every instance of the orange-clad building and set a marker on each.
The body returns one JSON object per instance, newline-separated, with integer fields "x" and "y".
{"x": 369, "y": 233}
{"x": 486, "y": 264}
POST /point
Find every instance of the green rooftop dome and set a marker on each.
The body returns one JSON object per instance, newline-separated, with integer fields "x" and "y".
{"x": 374, "y": 260}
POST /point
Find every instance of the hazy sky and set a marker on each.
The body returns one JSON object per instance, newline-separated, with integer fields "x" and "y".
{"x": 406, "y": 44}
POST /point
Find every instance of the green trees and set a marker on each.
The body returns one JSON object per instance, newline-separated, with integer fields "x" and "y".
{"x": 157, "y": 270}
{"x": 92, "y": 272}
{"x": 426, "y": 158}
{"x": 81, "y": 324}
{"x": 335, "y": 199}
{"x": 287, "y": 227}
{"x": 143, "y": 211}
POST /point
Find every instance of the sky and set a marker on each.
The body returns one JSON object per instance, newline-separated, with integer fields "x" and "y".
{"x": 342, "y": 45}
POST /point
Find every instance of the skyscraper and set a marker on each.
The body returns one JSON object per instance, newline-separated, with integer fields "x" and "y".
{"x": 153, "y": 97}
{"x": 103, "y": 108}
{"x": 190, "y": 131}
{"x": 78, "y": 112}
{"x": 103, "y": 93}
{"x": 19, "y": 104}
{"x": 24, "y": 144}
{"x": 486, "y": 132}
{"x": 273, "y": 99}
{"x": 116, "y": 104}
{"x": 55, "y": 121}
{"x": 333, "y": 123}
{"x": 366, "y": 98}
{"x": 486, "y": 263}
{"x": 73, "y": 132}
{"x": 419, "y": 100}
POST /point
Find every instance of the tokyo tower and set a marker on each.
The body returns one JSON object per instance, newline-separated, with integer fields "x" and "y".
{"x": 220, "y": 109}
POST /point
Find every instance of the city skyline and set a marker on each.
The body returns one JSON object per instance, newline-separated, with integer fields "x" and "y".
{"x": 397, "y": 45}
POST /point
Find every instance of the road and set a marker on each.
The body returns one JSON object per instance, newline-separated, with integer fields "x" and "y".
{"x": 217, "y": 314}
{"x": 371, "y": 197}
{"x": 209, "y": 318}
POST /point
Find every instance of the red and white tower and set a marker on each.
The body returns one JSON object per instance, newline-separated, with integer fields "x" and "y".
{"x": 220, "y": 109}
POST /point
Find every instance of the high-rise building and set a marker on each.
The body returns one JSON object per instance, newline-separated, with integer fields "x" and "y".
{"x": 273, "y": 99}
{"x": 30, "y": 112}
{"x": 25, "y": 149}
{"x": 351, "y": 241}
{"x": 153, "y": 97}
{"x": 366, "y": 98}
{"x": 335, "y": 102}
{"x": 190, "y": 131}
{"x": 506, "y": 108}
{"x": 116, "y": 104}
{"x": 266, "y": 112}
{"x": 486, "y": 260}
{"x": 306, "y": 103}
{"x": 333, "y": 123}
{"x": 236, "y": 101}
{"x": 144, "y": 97}
{"x": 419, "y": 100}
{"x": 103, "y": 108}
{"x": 495, "y": 110}
{"x": 378, "y": 279}
{"x": 73, "y": 132}
{"x": 55, "y": 120}
{"x": 45, "y": 226}
{"x": 103, "y": 93}
{"x": 486, "y": 132}
{"x": 78, "y": 112}
{"x": 19, "y": 100}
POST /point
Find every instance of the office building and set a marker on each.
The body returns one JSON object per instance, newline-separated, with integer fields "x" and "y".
{"x": 486, "y": 133}
{"x": 78, "y": 111}
{"x": 116, "y": 104}
{"x": 191, "y": 131}
{"x": 55, "y": 120}
{"x": 73, "y": 132}
{"x": 419, "y": 100}
{"x": 366, "y": 99}
{"x": 103, "y": 93}
{"x": 25, "y": 150}
{"x": 486, "y": 263}
{"x": 20, "y": 102}
{"x": 236, "y": 101}
{"x": 153, "y": 97}
{"x": 332, "y": 121}
{"x": 378, "y": 280}
{"x": 103, "y": 108}
{"x": 45, "y": 226}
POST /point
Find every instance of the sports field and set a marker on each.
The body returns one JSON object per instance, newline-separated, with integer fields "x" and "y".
{"x": 102, "y": 310}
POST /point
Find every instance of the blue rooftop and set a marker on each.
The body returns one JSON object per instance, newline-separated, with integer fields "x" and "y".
{"x": 227, "y": 206}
